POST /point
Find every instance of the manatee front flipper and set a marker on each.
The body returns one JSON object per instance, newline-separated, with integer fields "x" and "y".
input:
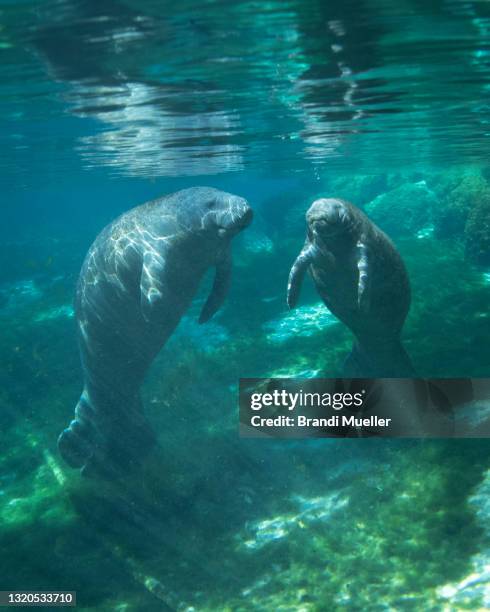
{"x": 363, "y": 284}
{"x": 297, "y": 274}
{"x": 152, "y": 284}
{"x": 220, "y": 288}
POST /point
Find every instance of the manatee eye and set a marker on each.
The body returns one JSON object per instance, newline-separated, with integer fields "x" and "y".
{"x": 209, "y": 204}
{"x": 320, "y": 224}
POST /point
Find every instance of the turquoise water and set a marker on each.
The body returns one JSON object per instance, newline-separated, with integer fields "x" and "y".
{"x": 105, "y": 105}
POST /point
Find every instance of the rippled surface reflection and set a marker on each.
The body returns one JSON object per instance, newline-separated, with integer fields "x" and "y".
{"x": 214, "y": 86}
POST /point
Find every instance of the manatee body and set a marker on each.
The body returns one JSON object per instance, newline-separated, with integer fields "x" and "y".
{"x": 138, "y": 279}
{"x": 362, "y": 279}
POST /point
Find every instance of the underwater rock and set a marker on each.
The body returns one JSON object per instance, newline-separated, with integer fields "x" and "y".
{"x": 305, "y": 321}
{"x": 404, "y": 211}
{"x": 477, "y": 231}
{"x": 359, "y": 188}
{"x": 16, "y": 295}
{"x": 208, "y": 338}
{"x": 36, "y": 500}
{"x": 275, "y": 209}
{"x": 57, "y": 312}
{"x": 474, "y": 589}
{"x": 254, "y": 244}
{"x": 310, "y": 510}
{"x": 294, "y": 216}
{"x": 25, "y": 291}
{"x": 426, "y": 232}
{"x": 256, "y": 241}
{"x": 29, "y": 293}
{"x": 443, "y": 184}
{"x": 464, "y": 211}
{"x": 42, "y": 258}
{"x": 295, "y": 371}
{"x": 458, "y": 195}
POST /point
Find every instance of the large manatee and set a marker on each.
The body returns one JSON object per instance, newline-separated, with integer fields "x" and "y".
{"x": 362, "y": 279}
{"x": 138, "y": 279}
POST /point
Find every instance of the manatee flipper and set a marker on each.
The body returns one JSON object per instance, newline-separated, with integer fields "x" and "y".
{"x": 102, "y": 445}
{"x": 219, "y": 291}
{"x": 356, "y": 364}
{"x": 297, "y": 273}
{"x": 375, "y": 359}
{"x": 152, "y": 283}
{"x": 363, "y": 284}
{"x": 78, "y": 441}
{"x": 397, "y": 358}
{"x": 74, "y": 445}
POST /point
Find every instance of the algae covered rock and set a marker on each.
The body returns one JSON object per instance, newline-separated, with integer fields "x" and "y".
{"x": 458, "y": 197}
{"x": 464, "y": 211}
{"x": 405, "y": 210}
{"x": 359, "y": 189}
{"x": 477, "y": 232}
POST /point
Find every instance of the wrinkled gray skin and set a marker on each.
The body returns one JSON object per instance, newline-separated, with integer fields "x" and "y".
{"x": 361, "y": 277}
{"x": 138, "y": 279}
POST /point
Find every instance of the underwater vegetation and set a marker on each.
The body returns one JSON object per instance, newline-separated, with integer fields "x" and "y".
{"x": 477, "y": 231}
{"x": 463, "y": 213}
{"x": 404, "y": 211}
{"x": 381, "y": 526}
{"x": 219, "y": 523}
{"x": 108, "y": 104}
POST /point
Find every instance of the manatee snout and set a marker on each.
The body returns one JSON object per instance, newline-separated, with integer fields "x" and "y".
{"x": 234, "y": 216}
{"x": 327, "y": 217}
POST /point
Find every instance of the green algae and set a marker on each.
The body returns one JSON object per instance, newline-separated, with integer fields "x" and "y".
{"x": 404, "y": 532}
{"x": 361, "y": 189}
{"x": 459, "y": 193}
{"x": 477, "y": 231}
{"x": 405, "y": 210}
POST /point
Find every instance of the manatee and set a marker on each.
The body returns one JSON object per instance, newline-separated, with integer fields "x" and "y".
{"x": 138, "y": 279}
{"x": 363, "y": 281}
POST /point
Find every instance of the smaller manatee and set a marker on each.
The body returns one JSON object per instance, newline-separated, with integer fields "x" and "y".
{"x": 363, "y": 281}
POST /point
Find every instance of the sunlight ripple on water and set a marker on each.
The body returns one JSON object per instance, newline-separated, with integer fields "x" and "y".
{"x": 342, "y": 84}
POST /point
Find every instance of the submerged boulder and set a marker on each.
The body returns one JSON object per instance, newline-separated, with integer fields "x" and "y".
{"x": 477, "y": 232}
{"x": 464, "y": 212}
{"x": 359, "y": 189}
{"x": 459, "y": 195}
{"x": 405, "y": 210}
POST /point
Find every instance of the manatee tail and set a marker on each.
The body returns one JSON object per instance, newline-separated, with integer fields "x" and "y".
{"x": 378, "y": 359}
{"x": 102, "y": 446}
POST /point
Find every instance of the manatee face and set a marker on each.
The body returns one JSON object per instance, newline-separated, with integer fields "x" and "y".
{"x": 215, "y": 213}
{"x": 328, "y": 220}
